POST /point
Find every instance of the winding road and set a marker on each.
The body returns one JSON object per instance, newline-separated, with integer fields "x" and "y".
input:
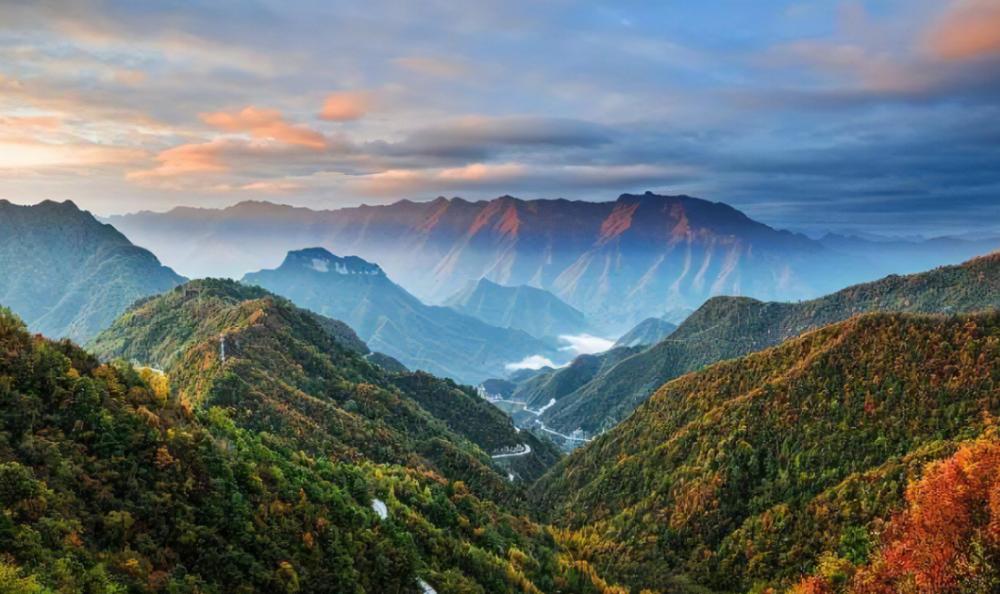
{"x": 524, "y": 450}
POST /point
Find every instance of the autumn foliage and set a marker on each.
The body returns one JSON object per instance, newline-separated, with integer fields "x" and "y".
{"x": 946, "y": 539}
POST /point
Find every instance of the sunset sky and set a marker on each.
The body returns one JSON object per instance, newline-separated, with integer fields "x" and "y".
{"x": 881, "y": 116}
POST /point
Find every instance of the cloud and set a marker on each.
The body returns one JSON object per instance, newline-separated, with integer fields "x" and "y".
{"x": 968, "y": 29}
{"x": 27, "y": 155}
{"x": 265, "y": 124}
{"x": 434, "y": 67}
{"x": 531, "y": 362}
{"x": 129, "y": 77}
{"x": 479, "y": 135}
{"x": 849, "y": 111}
{"x": 272, "y": 187}
{"x": 184, "y": 160}
{"x": 345, "y": 106}
{"x": 585, "y": 344}
{"x": 502, "y": 177}
{"x": 21, "y": 124}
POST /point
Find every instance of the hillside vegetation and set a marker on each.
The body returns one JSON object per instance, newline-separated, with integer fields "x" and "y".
{"x": 727, "y": 327}
{"x": 284, "y": 373}
{"x": 68, "y": 275}
{"x": 748, "y": 473}
{"x": 111, "y": 481}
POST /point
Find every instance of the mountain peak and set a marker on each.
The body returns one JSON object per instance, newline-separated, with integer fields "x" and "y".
{"x": 322, "y": 261}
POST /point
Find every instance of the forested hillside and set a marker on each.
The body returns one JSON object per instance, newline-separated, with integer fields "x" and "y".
{"x": 727, "y": 327}
{"x": 944, "y": 540}
{"x": 108, "y": 483}
{"x": 68, "y": 275}
{"x": 278, "y": 370}
{"x": 751, "y": 472}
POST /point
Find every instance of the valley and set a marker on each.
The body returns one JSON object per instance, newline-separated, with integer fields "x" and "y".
{"x": 362, "y": 437}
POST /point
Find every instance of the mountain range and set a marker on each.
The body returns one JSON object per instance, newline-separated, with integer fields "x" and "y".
{"x": 535, "y": 311}
{"x": 436, "y": 339}
{"x": 727, "y": 327}
{"x": 222, "y": 437}
{"x": 68, "y": 275}
{"x": 618, "y": 262}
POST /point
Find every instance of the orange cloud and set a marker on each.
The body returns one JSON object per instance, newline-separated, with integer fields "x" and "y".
{"x": 969, "y": 29}
{"x": 344, "y": 106}
{"x": 29, "y": 123}
{"x": 185, "y": 159}
{"x": 266, "y": 124}
{"x": 129, "y": 78}
{"x": 274, "y": 187}
{"x": 393, "y": 181}
{"x": 30, "y": 155}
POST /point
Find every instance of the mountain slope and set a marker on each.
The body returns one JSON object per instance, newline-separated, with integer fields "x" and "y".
{"x": 436, "y": 339}
{"x": 552, "y": 384}
{"x": 277, "y": 369}
{"x": 742, "y": 475}
{"x": 727, "y": 327}
{"x": 647, "y": 332}
{"x": 66, "y": 274}
{"x": 109, "y": 484}
{"x": 619, "y": 261}
{"x": 535, "y": 311}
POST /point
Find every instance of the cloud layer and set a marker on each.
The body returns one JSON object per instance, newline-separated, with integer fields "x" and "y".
{"x": 804, "y": 114}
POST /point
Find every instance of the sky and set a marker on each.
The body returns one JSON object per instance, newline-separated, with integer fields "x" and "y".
{"x": 879, "y": 116}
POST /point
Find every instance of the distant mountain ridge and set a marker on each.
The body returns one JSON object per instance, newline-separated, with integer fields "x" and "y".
{"x": 647, "y": 332}
{"x": 618, "y": 261}
{"x": 533, "y": 310}
{"x": 68, "y": 275}
{"x": 392, "y": 321}
{"x": 727, "y": 327}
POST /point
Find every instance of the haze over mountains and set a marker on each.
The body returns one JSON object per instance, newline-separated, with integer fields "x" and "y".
{"x": 647, "y": 332}
{"x": 532, "y": 310}
{"x": 68, "y": 275}
{"x": 727, "y": 327}
{"x": 618, "y": 262}
{"x": 391, "y": 320}
{"x": 281, "y": 424}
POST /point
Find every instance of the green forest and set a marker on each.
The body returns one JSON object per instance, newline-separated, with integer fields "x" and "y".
{"x": 217, "y": 438}
{"x": 114, "y": 482}
{"x": 743, "y": 476}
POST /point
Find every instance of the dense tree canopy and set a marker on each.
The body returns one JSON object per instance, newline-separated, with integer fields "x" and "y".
{"x": 743, "y": 475}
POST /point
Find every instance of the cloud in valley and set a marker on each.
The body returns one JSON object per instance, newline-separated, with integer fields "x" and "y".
{"x": 531, "y": 362}
{"x": 585, "y": 344}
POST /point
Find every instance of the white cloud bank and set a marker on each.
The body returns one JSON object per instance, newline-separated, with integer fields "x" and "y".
{"x": 585, "y": 344}
{"x": 575, "y": 345}
{"x": 531, "y": 362}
